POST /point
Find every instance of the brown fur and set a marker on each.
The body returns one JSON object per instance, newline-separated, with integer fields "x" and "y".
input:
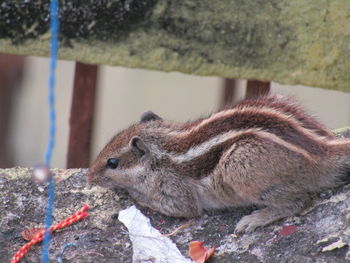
{"x": 265, "y": 151}
{"x": 289, "y": 106}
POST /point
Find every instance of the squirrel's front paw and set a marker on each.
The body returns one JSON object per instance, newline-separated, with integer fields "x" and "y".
{"x": 260, "y": 217}
{"x": 248, "y": 223}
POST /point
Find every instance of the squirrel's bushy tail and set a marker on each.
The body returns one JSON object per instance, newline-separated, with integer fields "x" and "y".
{"x": 340, "y": 152}
{"x": 343, "y": 176}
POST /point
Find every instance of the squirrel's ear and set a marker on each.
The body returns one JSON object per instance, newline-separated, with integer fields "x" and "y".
{"x": 149, "y": 116}
{"x": 138, "y": 146}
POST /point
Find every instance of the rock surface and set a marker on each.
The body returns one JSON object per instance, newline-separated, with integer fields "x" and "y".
{"x": 292, "y": 42}
{"x": 322, "y": 233}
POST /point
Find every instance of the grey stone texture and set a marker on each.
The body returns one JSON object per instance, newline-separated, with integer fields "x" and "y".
{"x": 322, "y": 231}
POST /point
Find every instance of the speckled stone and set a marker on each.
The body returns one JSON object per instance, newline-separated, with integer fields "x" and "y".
{"x": 322, "y": 232}
{"x": 292, "y": 42}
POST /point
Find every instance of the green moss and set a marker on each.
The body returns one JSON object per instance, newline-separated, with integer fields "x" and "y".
{"x": 291, "y": 42}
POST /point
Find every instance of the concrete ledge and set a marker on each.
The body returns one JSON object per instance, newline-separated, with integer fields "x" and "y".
{"x": 291, "y": 42}
{"x": 322, "y": 232}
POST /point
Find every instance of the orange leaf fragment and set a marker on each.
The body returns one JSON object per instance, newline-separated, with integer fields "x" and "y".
{"x": 287, "y": 231}
{"x": 198, "y": 253}
{"x": 29, "y": 233}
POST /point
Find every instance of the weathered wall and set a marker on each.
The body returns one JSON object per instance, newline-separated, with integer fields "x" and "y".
{"x": 293, "y": 42}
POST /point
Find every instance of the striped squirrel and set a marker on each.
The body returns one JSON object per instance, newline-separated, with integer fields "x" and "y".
{"x": 266, "y": 151}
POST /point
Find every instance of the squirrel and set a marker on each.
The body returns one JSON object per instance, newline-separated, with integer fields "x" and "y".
{"x": 266, "y": 152}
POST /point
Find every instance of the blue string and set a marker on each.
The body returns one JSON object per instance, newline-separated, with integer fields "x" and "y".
{"x": 54, "y": 28}
{"x": 66, "y": 246}
{"x": 53, "y": 61}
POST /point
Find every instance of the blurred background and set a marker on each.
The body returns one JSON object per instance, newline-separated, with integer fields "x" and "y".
{"x": 122, "y": 95}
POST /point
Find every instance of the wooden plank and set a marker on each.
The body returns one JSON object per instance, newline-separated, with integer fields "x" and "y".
{"x": 81, "y": 116}
{"x": 257, "y": 88}
{"x": 229, "y": 92}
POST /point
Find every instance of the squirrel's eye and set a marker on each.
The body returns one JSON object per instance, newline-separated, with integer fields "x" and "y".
{"x": 112, "y": 163}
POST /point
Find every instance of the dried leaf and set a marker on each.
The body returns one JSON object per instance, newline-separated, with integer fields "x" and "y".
{"x": 338, "y": 244}
{"x": 29, "y": 233}
{"x": 287, "y": 231}
{"x": 198, "y": 253}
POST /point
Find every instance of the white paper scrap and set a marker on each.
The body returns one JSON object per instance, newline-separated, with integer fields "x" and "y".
{"x": 149, "y": 245}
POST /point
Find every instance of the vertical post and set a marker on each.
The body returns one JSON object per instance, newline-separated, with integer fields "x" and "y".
{"x": 257, "y": 88}
{"x": 81, "y": 116}
{"x": 11, "y": 72}
{"x": 229, "y": 92}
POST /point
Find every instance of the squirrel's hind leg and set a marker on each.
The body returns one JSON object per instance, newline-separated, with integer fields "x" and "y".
{"x": 269, "y": 214}
{"x": 264, "y": 170}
